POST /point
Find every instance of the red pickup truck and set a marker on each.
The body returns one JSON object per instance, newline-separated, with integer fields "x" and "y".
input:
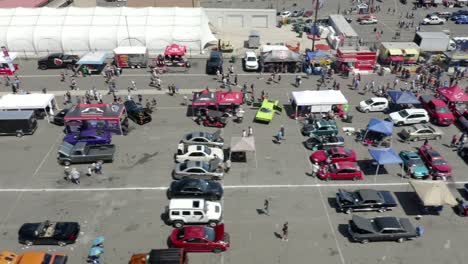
{"x": 438, "y": 110}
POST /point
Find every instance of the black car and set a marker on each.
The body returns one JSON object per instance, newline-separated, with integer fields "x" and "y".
{"x": 57, "y": 60}
{"x": 49, "y": 233}
{"x": 137, "y": 113}
{"x": 382, "y": 229}
{"x": 463, "y": 152}
{"x": 364, "y": 200}
{"x": 195, "y": 188}
{"x": 215, "y": 62}
{"x": 59, "y": 118}
{"x": 326, "y": 142}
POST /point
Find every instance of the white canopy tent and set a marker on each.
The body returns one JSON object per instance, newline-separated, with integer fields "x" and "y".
{"x": 33, "y": 101}
{"x": 319, "y": 101}
{"x": 40, "y": 31}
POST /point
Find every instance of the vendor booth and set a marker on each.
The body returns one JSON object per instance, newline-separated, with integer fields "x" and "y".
{"x": 433, "y": 195}
{"x": 396, "y": 53}
{"x": 402, "y": 99}
{"x": 92, "y": 62}
{"x": 384, "y": 157}
{"x": 308, "y": 101}
{"x": 229, "y": 99}
{"x": 173, "y": 57}
{"x": 131, "y": 57}
{"x": 352, "y": 59}
{"x": 315, "y": 61}
{"x": 204, "y": 99}
{"x": 240, "y": 146}
{"x": 453, "y": 94}
{"x": 7, "y": 67}
{"x": 42, "y": 104}
{"x": 281, "y": 61}
{"x": 102, "y": 116}
{"x": 378, "y": 133}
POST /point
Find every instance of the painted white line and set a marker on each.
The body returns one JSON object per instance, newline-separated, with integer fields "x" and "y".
{"x": 149, "y": 75}
{"x": 274, "y": 186}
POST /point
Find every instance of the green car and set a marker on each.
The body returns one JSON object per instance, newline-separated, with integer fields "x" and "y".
{"x": 267, "y": 110}
{"x": 320, "y": 128}
{"x": 412, "y": 159}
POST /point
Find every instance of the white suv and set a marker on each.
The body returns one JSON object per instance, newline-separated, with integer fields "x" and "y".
{"x": 194, "y": 211}
{"x": 250, "y": 61}
{"x": 374, "y": 104}
{"x": 409, "y": 116}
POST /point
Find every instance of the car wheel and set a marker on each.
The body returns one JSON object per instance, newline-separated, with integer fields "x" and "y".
{"x": 217, "y": 250}
{"x": 213, "y": 223}
{"x": 28, "y": 243}
{"x": 61, "y": 243}
{"x": 67, "y": 163}
{"x": 355, "y": 178}
{"x": 348, "y": 211}
{"x": 178, "y": 224}
{"x": 381, "y": 210}
{"x": 400, "y": 240}
{"x": 366, "y": 111}
{"x": 364, "y": 241}
{"x": 43, "y": 67}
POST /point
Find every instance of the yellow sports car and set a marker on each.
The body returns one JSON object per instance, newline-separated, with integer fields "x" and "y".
{"x": 267, "y": 110}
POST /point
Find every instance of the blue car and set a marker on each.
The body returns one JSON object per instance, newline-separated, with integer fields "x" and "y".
{"x": 412, "y": 159}
{"x": 462, "y": 20}
{"x": 90, "y": 136}
{"x": 458, "y": 17}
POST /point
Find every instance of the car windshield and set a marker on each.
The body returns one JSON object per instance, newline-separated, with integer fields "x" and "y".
{"x": 209, "y": 233}
{"x": 439, "y": 162}
{"x": 369, "y": 101}
{"x": 251, "y": 59}
{"x": 183, "y": 166}
{"x": 403, "y": 113}
{"x": 442, "y": 109}
{"x": 265, "y": 110}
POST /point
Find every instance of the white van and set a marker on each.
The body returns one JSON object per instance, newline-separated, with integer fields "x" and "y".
{"x": 194, "y": 211}
{"x": 409, "y": 116}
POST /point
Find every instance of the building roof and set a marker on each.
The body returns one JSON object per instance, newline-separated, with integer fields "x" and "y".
{"x": 344, "y": 26}
{"x": 14, "y": 115}
{"x": 438, "y": 34}
{"x": 26, "y": 101}
{"x": 400, "y": 45}
{"x": 22, "y": 3}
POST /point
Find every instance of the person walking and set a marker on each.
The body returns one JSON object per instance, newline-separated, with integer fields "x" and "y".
{"x": 250, "y": 133}
{"x": 244, "y": 133}
{"x": 282, "y": 131}
{"x": 279, "y": 137}
{"x": 227, "y": 166}
{"x": 98, "y": 167}
{"x": 426, "y": 142}
{"x": 75, "y": 176}
{"x": 279, "y": 78}
{"x": 285, "y": 230}
{"x": 235, "y": 80}
{"x": 266, "y": 207}
{"x": 454, "y": 141}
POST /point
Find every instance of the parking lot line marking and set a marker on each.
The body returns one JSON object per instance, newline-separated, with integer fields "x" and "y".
{"x": 149, "y": 75}
{"x": 260, "y": 186}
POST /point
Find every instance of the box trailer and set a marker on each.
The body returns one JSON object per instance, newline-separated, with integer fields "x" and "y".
{"x": 433, "y": 41}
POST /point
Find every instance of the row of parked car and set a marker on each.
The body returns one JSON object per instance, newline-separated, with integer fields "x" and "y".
{"x": 195, "y": 209}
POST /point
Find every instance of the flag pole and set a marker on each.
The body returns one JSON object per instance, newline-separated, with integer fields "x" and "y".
{"x": 317, "y": 2}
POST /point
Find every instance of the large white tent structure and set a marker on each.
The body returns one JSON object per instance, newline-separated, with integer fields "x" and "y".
{"x": 319, "y": 101}
{"x": 39, "y": 31}
{"x": 35, "y": 101}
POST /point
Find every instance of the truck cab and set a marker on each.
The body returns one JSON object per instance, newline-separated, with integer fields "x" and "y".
{"x": 438, "y": 110}
{"x": 160, "y": 256}
{"x": 56, "y": 61}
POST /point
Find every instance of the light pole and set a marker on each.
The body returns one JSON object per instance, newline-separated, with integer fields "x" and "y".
{"x": 315, "y": 23}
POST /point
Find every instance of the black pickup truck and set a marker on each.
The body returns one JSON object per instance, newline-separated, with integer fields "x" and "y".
{"x": 364, "y": 200}
{"x": 57, "y": 61}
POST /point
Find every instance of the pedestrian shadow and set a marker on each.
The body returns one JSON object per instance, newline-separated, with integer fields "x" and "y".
{"x": 278, "y": 235}
{"x": 260, "y": 211}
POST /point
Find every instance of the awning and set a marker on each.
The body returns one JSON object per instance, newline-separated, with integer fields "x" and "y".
{"x": 396, "y": 58}
{"x": 323, "y": 97}
{"x": 281, "y": 56}
{"x": 346, "y": 59}
{"x": 399, "y": 97}
{"x": 204, "y": 98}
{"x": 243, "y": 144}
{"x": 411, "y": 51}
{"x": 395, "y": 52}
{"x": 95, "y": 112}
{"x": 453, "y": 94}
{"x": 433, "y": 193}
{"x": 380, "y": 126}
{"x": 93, "y": 58}
{"x": 26, "y": 101}
{"x": 130, "y": 50}
{"x": 230, "y": 98}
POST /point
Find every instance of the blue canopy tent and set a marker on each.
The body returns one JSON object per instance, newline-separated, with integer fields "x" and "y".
{"x": 379, "y": 126}
{"x": 94, "y": 61}
{"x": 403, "y": 97}
{"x": 384, "y": 157}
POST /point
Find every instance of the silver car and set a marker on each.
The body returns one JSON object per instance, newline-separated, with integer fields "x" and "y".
{"x": 204, "y": 138}
{"x": 198, "y": 170}
{"x": 421, "y": 132}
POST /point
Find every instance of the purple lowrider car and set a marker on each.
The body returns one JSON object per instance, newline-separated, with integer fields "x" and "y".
{"x": 90, "y": 136}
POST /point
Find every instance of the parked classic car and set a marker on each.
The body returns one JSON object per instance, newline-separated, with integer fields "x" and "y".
{"x": 320, "y": 128}
{"x": 137, "y": 113}
{"x": 198, "y": 153}
{"x": 325, "y": 142}
{"x": 49, "y": 233}
{"x": 195, "y": 188}
{"x": 412, "y": 160}
{"x": 267, "y": 111}
{"x": 421, "y": 132}
{"x": 200, "y": 238}
{"x": 84, "y": 153}
{"x": 386, "y": 228}
{"x": 198, "y": 170}
{"x": 333, "y": 155}
{"x": 344, "y": 170}
{"x": 364, "y": 200}
{"x": 204, "y": 138}
{"x": 435, "y": 161}
{"x": 59, "y": 118}
{"x": 89, "y": 136}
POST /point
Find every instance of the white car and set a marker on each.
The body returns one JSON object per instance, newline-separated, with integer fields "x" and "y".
{"x": 285, "y": 14}
{"x": 409, "y": 116}
{"x": 194, "y": 211}
{"x": 250, "y": 61}
{"x": 433, "y": 20}
{"x": 374, "y": 104}
{"x": 198, "y": 153}
{"x": 368, "y": 21}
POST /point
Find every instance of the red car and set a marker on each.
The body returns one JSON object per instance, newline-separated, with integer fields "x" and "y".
{"x": 438, "y": 110}
{"x": 333, "y": 155}
{"x": 366, "y": 17}
{"x": 344, "y": 170}
{"x": 200, "y": 238}
{"x": 435, "y": 161}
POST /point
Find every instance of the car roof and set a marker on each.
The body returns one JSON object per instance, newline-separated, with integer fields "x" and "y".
{"x": 346, "y": 164}
{"x": 340, "y": 150}
{"x": 439, "y": 102}
{"x": 195, "y": 164}
{"x": 194, "y": 231}
{"x": 433, "y": 153}
{"x": 412, "y": 154}
{"x": 368, "y": 194}
{"x": 379, "y": 99}
{"x": 181, "y": 203}
{"x": 414, "y": 110}
{"x": 388, "y": 222}
{"x": 196, "y": 148}
{"x": 250, "y": 54}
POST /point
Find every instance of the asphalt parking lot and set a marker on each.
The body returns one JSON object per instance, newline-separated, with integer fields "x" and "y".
{"x": 125, "y": 203}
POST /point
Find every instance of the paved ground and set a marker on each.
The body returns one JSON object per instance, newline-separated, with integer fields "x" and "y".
{"x": 125, "y": 203}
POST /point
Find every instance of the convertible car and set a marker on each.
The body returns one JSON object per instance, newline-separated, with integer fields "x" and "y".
{"x": 267, "y": 111}
{"x": 49, "y": 233}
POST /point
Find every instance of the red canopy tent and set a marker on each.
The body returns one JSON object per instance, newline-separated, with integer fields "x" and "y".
{"x": 230, "y": 98}
{"x": 204, "y": 98}
{"x": 453, "y": 94}
{"x": 95, "y": 115}
{"x": 175, "y": 50}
